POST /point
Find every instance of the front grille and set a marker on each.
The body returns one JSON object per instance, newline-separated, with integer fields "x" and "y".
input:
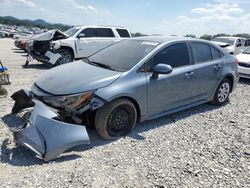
{"x": 244, "y": 75}
{"x": 247, "y": 65}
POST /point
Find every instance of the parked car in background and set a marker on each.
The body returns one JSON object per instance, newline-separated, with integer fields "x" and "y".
{"x": 128, "y": 82}
{"x": 233, "y": 45}
{"x": 2, "y": 35}
{"x": 76, "y": 43}
{"x": 244, "y": 63}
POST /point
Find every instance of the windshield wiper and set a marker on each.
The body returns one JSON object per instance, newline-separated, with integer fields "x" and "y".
{"x": 98, "y": 64}
{"x": 101, "y": 65}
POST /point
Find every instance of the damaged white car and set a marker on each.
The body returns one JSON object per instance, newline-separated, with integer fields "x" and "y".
{"x": 233, "y": 45}
{"x": 56, "y": 47}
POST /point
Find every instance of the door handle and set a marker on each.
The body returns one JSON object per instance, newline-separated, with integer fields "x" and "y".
{"x": 217, "y": 67}
{"x": 189, "y": 74}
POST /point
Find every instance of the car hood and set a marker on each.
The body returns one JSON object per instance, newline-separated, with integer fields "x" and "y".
{"x": 222, "y": 44}
{"x": 49, "y": 35}
{"x": 245, "y": 58}
{"x": 75, "y": 77}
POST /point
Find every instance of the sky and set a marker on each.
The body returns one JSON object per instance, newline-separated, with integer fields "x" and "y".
{"x": 165, "y": 17}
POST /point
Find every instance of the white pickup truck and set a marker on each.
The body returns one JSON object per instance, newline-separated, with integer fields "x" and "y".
{"x": 233, "y": 45}
{"x": 76, "y": 43}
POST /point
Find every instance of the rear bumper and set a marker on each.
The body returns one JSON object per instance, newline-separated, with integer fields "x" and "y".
{"x": 48, "y": 137}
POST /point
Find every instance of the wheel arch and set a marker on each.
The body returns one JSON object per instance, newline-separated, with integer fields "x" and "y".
{"x": 230, "y": 77}
{"x": 68, "y": 48}
{"x": 134, "y": 102}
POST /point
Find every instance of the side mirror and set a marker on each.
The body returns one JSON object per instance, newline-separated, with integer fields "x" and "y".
{"x": 81, "y": 35}
{"x": 161, "y": 69}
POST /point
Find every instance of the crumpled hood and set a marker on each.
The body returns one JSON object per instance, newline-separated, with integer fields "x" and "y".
{"x": 49, "y": 35}
{"x": 75, "y": 77}
{"x": 222, "y": 44}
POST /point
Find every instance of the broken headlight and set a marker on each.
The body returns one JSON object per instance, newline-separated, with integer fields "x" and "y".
{"x": 54, "y": 45}
{"x": 69, "y": 102}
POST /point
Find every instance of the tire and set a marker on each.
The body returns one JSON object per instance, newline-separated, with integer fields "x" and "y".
{"x": 3, "y": 92}
{"x": 222, "y": 92}
{"x": 67, "y": 57}
{"x": 115, "y": 119}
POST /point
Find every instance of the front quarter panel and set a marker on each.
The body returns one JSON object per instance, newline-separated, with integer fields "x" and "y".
{"x": 69, "y": 42}
{"x": 130, "y": 85}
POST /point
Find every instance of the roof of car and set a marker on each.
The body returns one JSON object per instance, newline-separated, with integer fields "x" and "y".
{"x": 164, "y": 39}
{"x": 100, "y": 26}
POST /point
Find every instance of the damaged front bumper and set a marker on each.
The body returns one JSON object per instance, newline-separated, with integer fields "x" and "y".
{"x": 48, "y": 137}
{"x": 49, "y": 57}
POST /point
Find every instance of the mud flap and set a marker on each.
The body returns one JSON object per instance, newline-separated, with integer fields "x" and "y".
{"x": 48, "y": 137}
{"x": 22, "y": 100}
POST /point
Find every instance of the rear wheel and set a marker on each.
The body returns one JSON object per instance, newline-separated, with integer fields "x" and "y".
{"x": 222, "y": 93}
{"x": 116, "y": 119}
{"x": 67, "y": 56}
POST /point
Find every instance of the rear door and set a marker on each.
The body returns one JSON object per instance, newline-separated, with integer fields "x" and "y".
{"x": 208, "y": 65}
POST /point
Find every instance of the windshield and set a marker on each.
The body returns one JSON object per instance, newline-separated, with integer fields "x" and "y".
{"x": 72, "y": 31}
{"x": 225, "y": 40}
{"x": 246, "y": 51}
{"x": 123, "y": 55}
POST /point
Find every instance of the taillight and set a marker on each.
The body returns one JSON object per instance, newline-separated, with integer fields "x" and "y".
{"x": 237, "y": 61}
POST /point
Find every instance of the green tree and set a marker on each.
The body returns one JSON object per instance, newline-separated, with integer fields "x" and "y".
{"x": 190, "y": 36}
{"x": 206, "y": 37}
{"x": 243, "y": 35}
{"x": 138, "y": 34}
{"x": 221, "y": 35}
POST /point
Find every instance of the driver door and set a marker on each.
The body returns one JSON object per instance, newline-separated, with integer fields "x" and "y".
{"x": 170, "y": 91}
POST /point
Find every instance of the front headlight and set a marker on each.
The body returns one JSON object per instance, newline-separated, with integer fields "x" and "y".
{"x": 70, "y": 101}
{"x": 54, "y": 45}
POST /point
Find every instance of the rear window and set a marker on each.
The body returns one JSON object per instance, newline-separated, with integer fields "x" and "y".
{"x": 216, "y": 54}
{"x": 201, "y": 52}
{"x": 105, "y": 32}
{"x": 123, "y": 33}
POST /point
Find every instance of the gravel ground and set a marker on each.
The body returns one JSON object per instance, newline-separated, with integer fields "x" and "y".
{"x": 205, "y": 146}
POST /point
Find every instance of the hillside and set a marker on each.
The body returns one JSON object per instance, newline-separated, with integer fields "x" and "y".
{"x": 9, "y": 20}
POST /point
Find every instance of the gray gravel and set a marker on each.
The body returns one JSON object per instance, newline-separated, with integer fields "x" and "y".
{"x": 205, "y": 146}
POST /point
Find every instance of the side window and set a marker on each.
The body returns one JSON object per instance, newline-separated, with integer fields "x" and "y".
{"x": 105, "y": 32}
{"x": 123, "y": 33}
{"x": 216, "y": 54}
{"x": 247, "y": 43}
{"x": 89, "y": 32}
{"x": 175, "y": 55}
{"x": 201, "y": 52}
{"x": 238, "y": 43}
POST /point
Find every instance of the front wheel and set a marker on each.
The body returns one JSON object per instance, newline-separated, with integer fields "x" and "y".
{"x": 66, "y": 57}
{"x": 222, "y": 92}
{"x": 116, "y": 119}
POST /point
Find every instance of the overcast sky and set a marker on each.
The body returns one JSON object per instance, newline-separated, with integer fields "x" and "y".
{"x": 164, "y": 17}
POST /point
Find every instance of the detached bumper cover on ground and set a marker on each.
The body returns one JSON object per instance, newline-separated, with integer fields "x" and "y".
{"x": 48, "y": 137}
